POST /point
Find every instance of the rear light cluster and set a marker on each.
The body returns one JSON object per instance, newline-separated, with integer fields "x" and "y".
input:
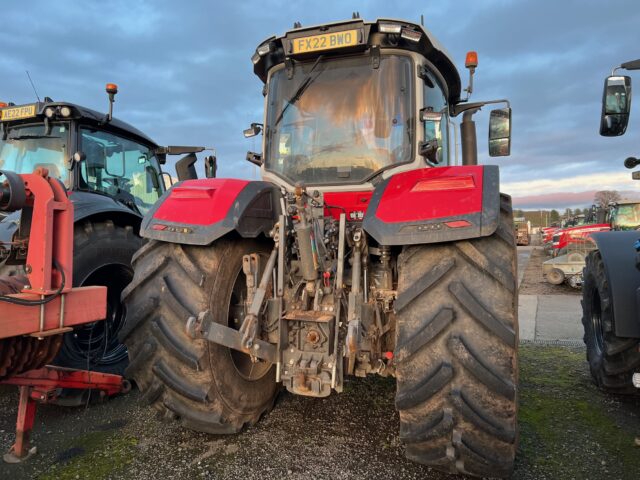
{"x": 460, "y": 182}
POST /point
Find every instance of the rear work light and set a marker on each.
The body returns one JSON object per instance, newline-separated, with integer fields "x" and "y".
{"x": 462, "y": 182}
{"x": 264, "y": 49}
{"x": 389, "y": 27}
{"x": 411, "y": 35}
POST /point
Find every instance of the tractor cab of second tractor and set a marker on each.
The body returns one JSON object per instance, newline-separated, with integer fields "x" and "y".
{"x": 114, "y": 175}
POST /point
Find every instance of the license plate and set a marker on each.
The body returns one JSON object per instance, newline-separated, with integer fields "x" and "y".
{"x": 325, "y": 41}
{"x": 16, "y": 113}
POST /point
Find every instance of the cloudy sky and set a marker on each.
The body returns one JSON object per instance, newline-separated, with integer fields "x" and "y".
{"x": 185, "y": 73}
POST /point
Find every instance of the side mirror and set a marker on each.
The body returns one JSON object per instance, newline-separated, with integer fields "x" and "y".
{"x": 210, "y": 166}
{"x": 185, "y": 167}
{"x": 430, "y": 148}
{"x": 500, "y": 132}
{"x": 255, "y": 158}
{"x": 253, "y": 130}
{"x": 616, "y": 105}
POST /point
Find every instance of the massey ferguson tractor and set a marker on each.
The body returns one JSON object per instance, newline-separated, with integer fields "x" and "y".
{"x": 362, "y": 251}
{"x": 610, "y": 294}
{"x": 114, "y": 174}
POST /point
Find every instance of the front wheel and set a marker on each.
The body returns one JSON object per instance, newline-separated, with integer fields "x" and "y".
{"x": 612, "y": 359}
{"x": 456, "y": 353}
{"x": 205, "y": 386}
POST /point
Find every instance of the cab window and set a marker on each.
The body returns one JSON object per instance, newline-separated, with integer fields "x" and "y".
{"x": 120, "y": 168}
{"x": 436, "y": 102}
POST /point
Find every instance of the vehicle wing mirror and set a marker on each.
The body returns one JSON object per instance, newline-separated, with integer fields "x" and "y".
{"x": 185, "y": 167}
{"x": 255, "y": 158}
{"x": 500, "y": 132}
{"x": 253, "y": 130}
{"x": 616, "y": 105}
{"x": 210, "y": 166}
{"x": 430, "y": 148}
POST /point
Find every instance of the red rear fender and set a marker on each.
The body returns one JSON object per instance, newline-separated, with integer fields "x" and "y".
{"x": 435, "y": 205}
{"x": 197, "y": 212}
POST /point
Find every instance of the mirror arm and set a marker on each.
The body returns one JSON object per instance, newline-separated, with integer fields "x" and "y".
{"x": 463, "y": 107}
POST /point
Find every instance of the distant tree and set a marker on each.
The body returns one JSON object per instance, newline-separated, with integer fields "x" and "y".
{"x": 579, "y": 211}
{"x": 554, "y": 215}
{"x": 518, "y": 213}
{"x": 568, "y": 212}
{"x": 605, "y": 197}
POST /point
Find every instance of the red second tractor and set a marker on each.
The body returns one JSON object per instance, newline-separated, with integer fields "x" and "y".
{"x": 362, "y": 250}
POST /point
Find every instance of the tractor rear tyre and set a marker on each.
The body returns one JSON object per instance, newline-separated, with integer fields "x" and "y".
{"x": 204, "y": 386}
{"x": 612, "y": 360}
{"x": 102, "y": 253}
{"x": 456, "y": 352}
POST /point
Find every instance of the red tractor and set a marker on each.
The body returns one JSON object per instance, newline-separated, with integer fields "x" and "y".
{"x": 362, "y": 250}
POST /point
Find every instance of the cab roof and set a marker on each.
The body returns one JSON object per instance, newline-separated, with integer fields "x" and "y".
{"x": 79, "y": 112}
{"x": 276, "y": 50}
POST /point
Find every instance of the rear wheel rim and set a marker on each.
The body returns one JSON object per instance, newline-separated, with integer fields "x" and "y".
{"x": 247, "y": 369}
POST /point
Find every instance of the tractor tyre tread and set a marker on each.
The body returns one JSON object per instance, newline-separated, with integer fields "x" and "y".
{"x": 178, "y": 375}
{"x": 613, "y": 363}
{"x": 456, "y": 352}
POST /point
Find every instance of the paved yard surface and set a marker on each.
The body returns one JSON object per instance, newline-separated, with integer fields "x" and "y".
{"x": 545, "y": 317}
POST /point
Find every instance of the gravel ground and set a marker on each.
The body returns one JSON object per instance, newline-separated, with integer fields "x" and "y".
{"x": 568, "y": 429}
{"x": 533, "y": 282}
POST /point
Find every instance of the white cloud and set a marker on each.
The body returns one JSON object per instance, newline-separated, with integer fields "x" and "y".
{"x": 580, "y": 183}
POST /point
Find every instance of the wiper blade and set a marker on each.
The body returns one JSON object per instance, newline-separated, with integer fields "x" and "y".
{"x": 31, "y": 137}
{"x": 301, "y": 89}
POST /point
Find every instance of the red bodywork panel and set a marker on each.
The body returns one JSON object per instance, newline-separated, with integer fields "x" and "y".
{"x": 81, "y": 305}
{"x": 578, "y": 235}
{"x": 431, "y": 193}
{"x": 355, "y": 204}
{"x": 200, "y": 202}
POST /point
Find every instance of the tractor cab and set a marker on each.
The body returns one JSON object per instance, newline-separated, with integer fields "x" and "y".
{"x": 88, "y": 151}
{"x": 352, "y": 103}
{"x": 625, "y": 215}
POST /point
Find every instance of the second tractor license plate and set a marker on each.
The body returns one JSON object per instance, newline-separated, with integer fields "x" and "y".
{"x": 18, "y": 112}
{"x": 325, "y": 41}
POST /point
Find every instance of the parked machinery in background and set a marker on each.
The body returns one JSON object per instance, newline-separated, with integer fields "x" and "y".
{"x": 522, "y": 231}
{"x": 610, "y": 294}
{"x": 114, "y": 173}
